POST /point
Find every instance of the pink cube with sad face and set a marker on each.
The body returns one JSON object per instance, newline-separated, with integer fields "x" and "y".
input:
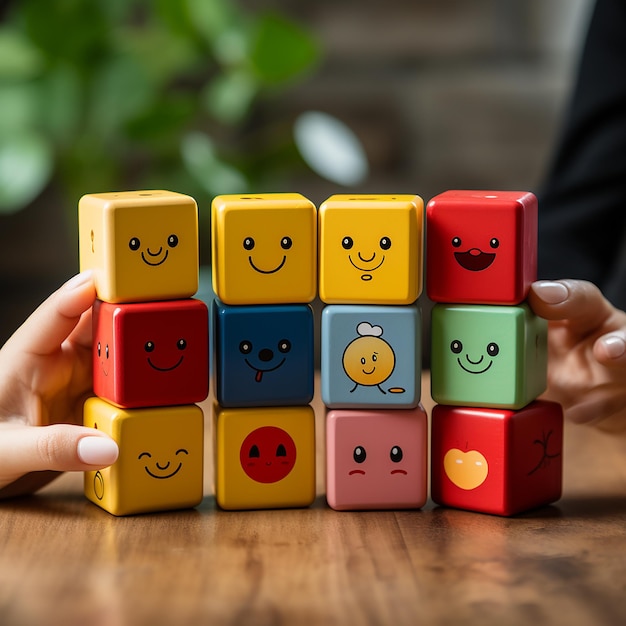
{"x": 151, "y": 353}
{"x": 376, "y": 459}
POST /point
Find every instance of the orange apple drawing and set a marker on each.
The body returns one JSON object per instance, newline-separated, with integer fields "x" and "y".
{"x": 466, "y": 470}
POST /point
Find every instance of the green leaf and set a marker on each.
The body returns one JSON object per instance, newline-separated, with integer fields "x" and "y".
{"x": 229, "y": 97}
{"x": 19, "y": 104}
{"x": 281, "y": 50}
{"x": 202, "y": 161}
{"x": 25, "y": 169}
{"x": 18, "y": 57}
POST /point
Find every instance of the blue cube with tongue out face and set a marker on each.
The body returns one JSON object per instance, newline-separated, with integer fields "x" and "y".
{"x": 264, "y": 355}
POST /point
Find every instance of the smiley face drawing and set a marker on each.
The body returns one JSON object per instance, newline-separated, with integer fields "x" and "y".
{"x": 285, "y": 244}
{"x": 476, "y": 363}
{"x": 265, "y": 359}
{"x": 155, "y": 254}
{"x": 167, "y": 363}
{"x": 163, "y": 470}
{"x": 268, "y": 454}
{"x": 364, "y": 260}
{"x": 475, "y": 259}
{"x": 369, "y": 360}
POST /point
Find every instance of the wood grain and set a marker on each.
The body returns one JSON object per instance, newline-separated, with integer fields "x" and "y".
{"x": 64, "y": 561}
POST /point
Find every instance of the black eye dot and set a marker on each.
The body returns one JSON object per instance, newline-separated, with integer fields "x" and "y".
{"x": 248, "y": 243}
{"x": 456, "y": 242}
{"x": 493, "y": 349}
{"x": 245, "y": 347}
{"x": 99, "y": 349}
{"x": 254, "y": 452}
{"x": 181, "y": 344}
{"x": 494, "y": 243}
{"x": 456, "y": 346}
{"x": 359, "y": 454}
{"x": 149, "y": 346}
{"x": 172, "y": 241}
{"x": 347, "y": 243}
{"x": 284, "y": 345}
{"x": 385, "y": 243}
{"x": 286, "y": 243}
{"x": 134, "y": 243}
{"x": 395, "y": 454}
{"x": 280, "y": 450}
{"x": 106, "y": 351}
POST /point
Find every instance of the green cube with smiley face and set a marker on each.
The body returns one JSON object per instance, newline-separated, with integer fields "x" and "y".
{"x": 487, "y": 356}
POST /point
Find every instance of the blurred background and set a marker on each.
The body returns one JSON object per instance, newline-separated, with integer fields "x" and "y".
{"x": 214, "y": 96}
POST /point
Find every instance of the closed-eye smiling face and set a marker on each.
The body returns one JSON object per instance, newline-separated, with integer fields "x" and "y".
{"x": 163, "y": 468}
{"x": 475, "y": 363}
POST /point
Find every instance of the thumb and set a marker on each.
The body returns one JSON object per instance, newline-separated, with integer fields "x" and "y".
{"x": 59, "y": 447}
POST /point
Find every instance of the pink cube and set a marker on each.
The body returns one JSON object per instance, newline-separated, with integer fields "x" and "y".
{"x": 376, "y": 459}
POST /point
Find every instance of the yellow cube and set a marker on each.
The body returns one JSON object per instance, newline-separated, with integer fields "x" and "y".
{"x": 264, "y": 248}
{"x": 160, "y": 465}
{"x": 142, "y": 245}
{"x": 370, "y": 249}
{"x": 264, "y": 457}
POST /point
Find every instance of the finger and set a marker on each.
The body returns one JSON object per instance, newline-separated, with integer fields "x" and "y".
{"x": 579, "y": 302}
{"x": 610, "y": 349}
{"x": 56, "y": 318}
{"x": 60, "y": 448}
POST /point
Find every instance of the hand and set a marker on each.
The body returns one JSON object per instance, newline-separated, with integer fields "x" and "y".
{"x": 586, "y": 352}
{"x": 45, "y": 376}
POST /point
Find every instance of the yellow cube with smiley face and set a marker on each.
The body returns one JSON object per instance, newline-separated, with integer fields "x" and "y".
{"x": 160, "y": 464}
{"x": 264, "y": 457}
{"x": 370, "y": 249}
{"x": 142, "y": 245}
{"x": 264, "y": 249}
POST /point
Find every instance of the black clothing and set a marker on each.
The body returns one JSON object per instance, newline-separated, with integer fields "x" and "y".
{"x": 582, "y": 207}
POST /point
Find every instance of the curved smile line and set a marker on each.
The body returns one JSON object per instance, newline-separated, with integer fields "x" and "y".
{"x": 370, "y": 372}
{"x": 257, "y": 369}
{"x": 365, "y": 269}
{"x": 161, "y": 477}
{"x": 165, "y": 369}
{"x": 147, "y": 262}
{"x": 258, "y": 269}
{"x": 471, "y": 371}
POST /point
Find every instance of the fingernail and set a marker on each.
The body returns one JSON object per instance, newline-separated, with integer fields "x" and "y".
{"x": 551, "y": 292}
{"x": 615, "y": 346}
{"x": 79, "y": 279}
{"x": 97, "y": 451}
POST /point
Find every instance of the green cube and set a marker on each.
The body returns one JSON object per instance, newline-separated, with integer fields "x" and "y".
{"x": 488, "y": 356}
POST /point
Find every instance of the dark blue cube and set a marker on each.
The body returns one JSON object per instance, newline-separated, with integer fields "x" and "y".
{"x": 264, "y": 355}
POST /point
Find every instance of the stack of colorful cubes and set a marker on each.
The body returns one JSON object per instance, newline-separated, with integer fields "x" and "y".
{"x": 150, "y": 348}
{"x": 264, "y": 270}
{"x": 495, "y": 448}
{"x": 370, "y": 276}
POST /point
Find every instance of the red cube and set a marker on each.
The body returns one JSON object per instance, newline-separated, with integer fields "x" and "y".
{"x": 497, "y": 461}
{"x": 482, "y": 246}
{"x": 152, "y": 353}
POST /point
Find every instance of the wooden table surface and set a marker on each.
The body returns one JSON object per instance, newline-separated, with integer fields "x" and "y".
{"x": 65, "y": 561}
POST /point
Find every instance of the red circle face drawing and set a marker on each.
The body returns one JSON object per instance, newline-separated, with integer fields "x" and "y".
{"x": 267, "y": 454}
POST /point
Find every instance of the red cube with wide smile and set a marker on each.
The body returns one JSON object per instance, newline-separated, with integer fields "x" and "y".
{"x": 152, "y": 353}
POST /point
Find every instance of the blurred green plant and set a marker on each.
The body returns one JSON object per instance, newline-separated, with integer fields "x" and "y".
{"x": 100, "y": 95}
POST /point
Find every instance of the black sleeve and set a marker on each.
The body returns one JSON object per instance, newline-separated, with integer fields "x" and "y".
{"x": 582, "y": 206}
